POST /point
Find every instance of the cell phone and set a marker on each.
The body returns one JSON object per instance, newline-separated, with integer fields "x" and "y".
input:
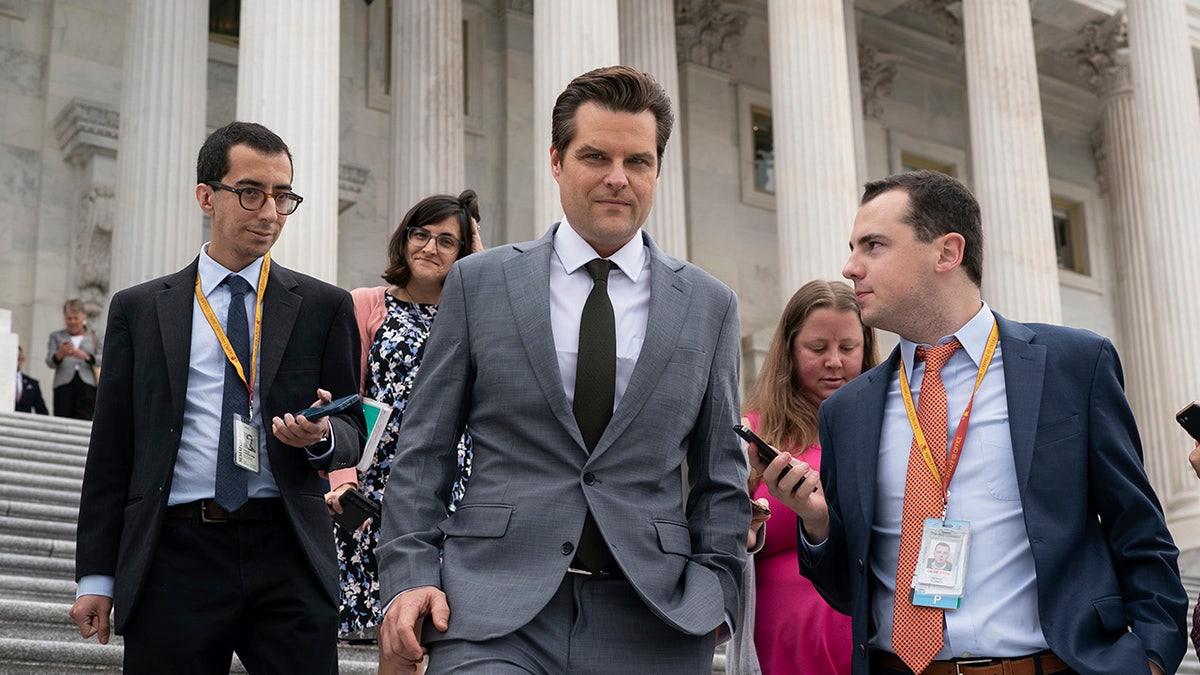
{"x": 356, "y": 508}
{"x": 1189, "y": 419}
{"x": 332, "y": 408}
{"x": 759, "y": 508}
{"x": 765, "y": 452}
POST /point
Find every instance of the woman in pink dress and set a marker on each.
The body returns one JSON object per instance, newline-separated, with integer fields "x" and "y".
{"x": 819, "y": 345}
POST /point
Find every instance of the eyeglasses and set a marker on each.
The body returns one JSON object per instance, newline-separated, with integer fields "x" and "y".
{"x": 252, "y": 198}
{"x": 446, "y": 243}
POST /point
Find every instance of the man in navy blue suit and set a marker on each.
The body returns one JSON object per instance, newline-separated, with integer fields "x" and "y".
{"x": 1069, "y": 565}
{"x": 29, "y": 392}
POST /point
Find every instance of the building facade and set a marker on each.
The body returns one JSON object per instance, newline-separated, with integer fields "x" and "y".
{"x": 1076, "y": 123}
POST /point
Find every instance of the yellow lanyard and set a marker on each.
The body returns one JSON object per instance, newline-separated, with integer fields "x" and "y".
{"x": 960, "y": 435}
{"x": 224, "y": 340}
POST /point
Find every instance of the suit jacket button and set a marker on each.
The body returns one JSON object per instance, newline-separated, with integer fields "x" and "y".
{"x": 861, "y": 567}
{"x": 589, "y": 478}
{"x": 862, "y": 650}
{"x": 568, "y": 548}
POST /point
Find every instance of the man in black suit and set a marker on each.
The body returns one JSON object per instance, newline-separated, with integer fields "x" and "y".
{"x": 29, "y": 393}
{"x": 201, "y": 524}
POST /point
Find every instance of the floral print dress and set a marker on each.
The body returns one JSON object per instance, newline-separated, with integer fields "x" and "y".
{"x": 392, "y": 364}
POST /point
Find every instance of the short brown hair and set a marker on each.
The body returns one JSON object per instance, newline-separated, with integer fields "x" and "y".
{"x": 615, "y": 88}
{"x": 430, "y": 210}
{"x": 938, "y": 204}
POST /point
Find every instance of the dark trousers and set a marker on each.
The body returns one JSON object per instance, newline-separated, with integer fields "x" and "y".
{"x": 75, "y": 399}
{"x": 213, "y": 589}
{"x": 593, "y": 626}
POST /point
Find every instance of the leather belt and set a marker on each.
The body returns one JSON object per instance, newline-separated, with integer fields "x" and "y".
{"x": 1025, "y": 665}
{"x": 209, "y": 511}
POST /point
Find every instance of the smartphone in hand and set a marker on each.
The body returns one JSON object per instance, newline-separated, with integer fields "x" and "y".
{"x": 356, "y": 508}
{"x": 765, "y": 452}
{"x": 1189, "y": 419}
{"x": 332, "y": 408}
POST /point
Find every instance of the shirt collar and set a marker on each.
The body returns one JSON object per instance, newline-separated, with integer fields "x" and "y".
{"x": 212, "y": 273}
{"x": 573, "y": 252}
{"x": 973, "y": 336}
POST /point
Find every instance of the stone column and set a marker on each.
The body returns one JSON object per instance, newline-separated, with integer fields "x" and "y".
{"x": 163, "y": 102}
{"x": 816, "y": 172}
{"x": 1166, "y": 143}
{"x": 648, "y": 44}
{"x": 427, "y": 102}
{"x": 1104, "y": 63}
{"x": 1008, "y": 154}
{"x": 288, "y": 81}
{"x": 8, "y": 362}
{"x": 570, "y": 37}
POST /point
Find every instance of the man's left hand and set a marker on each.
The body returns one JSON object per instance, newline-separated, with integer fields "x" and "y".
{"x": 1156, "y": 669}
{"x": 298, "y": 432}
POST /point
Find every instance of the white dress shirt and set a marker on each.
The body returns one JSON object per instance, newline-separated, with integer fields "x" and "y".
{"x": 570, "y": 285}
{"x": 999, "y": 612}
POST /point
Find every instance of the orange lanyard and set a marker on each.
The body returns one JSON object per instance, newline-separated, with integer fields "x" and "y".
{"x": 960, "y": 434}
{"x": 224, "y": 340}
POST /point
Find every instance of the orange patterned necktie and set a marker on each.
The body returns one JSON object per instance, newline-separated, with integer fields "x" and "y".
{"x": 917, "y": 631}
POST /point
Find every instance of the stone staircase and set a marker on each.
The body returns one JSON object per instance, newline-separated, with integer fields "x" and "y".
{"x": 41, "y": 468}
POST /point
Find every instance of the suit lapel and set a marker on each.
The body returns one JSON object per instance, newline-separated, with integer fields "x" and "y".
{"x": 528, "y": 279}
{"x": 670, "y": 296}
{"x": 281, "y": 305}
{"x": 868, "y": 430}
{"x": 1024, "y": 375}
{"x": 174, "y": 306}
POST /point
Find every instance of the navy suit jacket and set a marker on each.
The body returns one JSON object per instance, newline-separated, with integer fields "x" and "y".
{"x": 309, "y": 340}
{"x": 1109, "y": 592}
{"x": 31, "y": 397}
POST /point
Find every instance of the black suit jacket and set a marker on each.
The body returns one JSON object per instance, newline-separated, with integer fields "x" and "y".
{"x": 31, "y": 399}
{"x": 309, "y": 340}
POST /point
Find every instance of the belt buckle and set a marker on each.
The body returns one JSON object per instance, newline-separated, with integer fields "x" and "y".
{"x": 969, "y": 663}
{"x": 579, "y": 571}
{"x": 205, "y": 518}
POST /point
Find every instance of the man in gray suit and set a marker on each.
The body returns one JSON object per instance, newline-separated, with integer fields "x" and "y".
{"x": 572, "y": 551}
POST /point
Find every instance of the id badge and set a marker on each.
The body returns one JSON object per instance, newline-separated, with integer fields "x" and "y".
{"x": 245, "y": 444}
{"x": 941, "y": 570}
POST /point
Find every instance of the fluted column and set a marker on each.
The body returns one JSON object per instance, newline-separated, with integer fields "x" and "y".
{"x": 1104, "y": 63}
{"x": 648, "y": 44}
{"x": 427, "y": 102}
{"x": 1008, "y": 153}
{"x": 570, "y": 37}
{"x": 1166, "y": 117}
{"x": 816, "y": 172}
{"x": 163, "y": 100}
{"x": 288, "y": 81}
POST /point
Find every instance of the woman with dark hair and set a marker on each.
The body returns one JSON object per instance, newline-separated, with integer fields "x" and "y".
{"x": 819, "y": 345}
{"x": 393, "y": 323}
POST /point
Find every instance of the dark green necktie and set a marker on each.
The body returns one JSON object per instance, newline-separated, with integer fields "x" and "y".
{"x": 595, "y": 388}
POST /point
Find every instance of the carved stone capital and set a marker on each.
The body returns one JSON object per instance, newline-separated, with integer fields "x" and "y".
{"x": 1103, "y": 61}
{"x": 707, "y": 35}
{"x": 945, "y": 13}
{"x": 524, "y": 6}
{"x": 85, "y": 128}
{"x": 876, "y": 72}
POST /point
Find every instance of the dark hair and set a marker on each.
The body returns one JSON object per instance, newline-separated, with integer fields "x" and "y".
{"x": 428, "y": 211}
{"x": 615, "y": 88}
{"x": 786, "y": 416}
{"x": 937, "y": 205}
{"x": 213, "y": 161}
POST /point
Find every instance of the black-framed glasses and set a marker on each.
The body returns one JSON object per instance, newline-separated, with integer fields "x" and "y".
{"x": 252, "y": 198}
{"x": 446, "y": 243}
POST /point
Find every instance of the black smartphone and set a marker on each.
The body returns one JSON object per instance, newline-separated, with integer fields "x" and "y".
{"x": 356, "y": 508}
{"x": 759, "y": 508}
{"x": 332, "y": 408}
{"x": 765, "y": 452}
{"x": 1189, "y": 419}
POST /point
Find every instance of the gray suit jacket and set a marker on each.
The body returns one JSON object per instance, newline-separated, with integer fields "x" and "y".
{"x": 490, "y": 363}
{"x": 65, "y": 371}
